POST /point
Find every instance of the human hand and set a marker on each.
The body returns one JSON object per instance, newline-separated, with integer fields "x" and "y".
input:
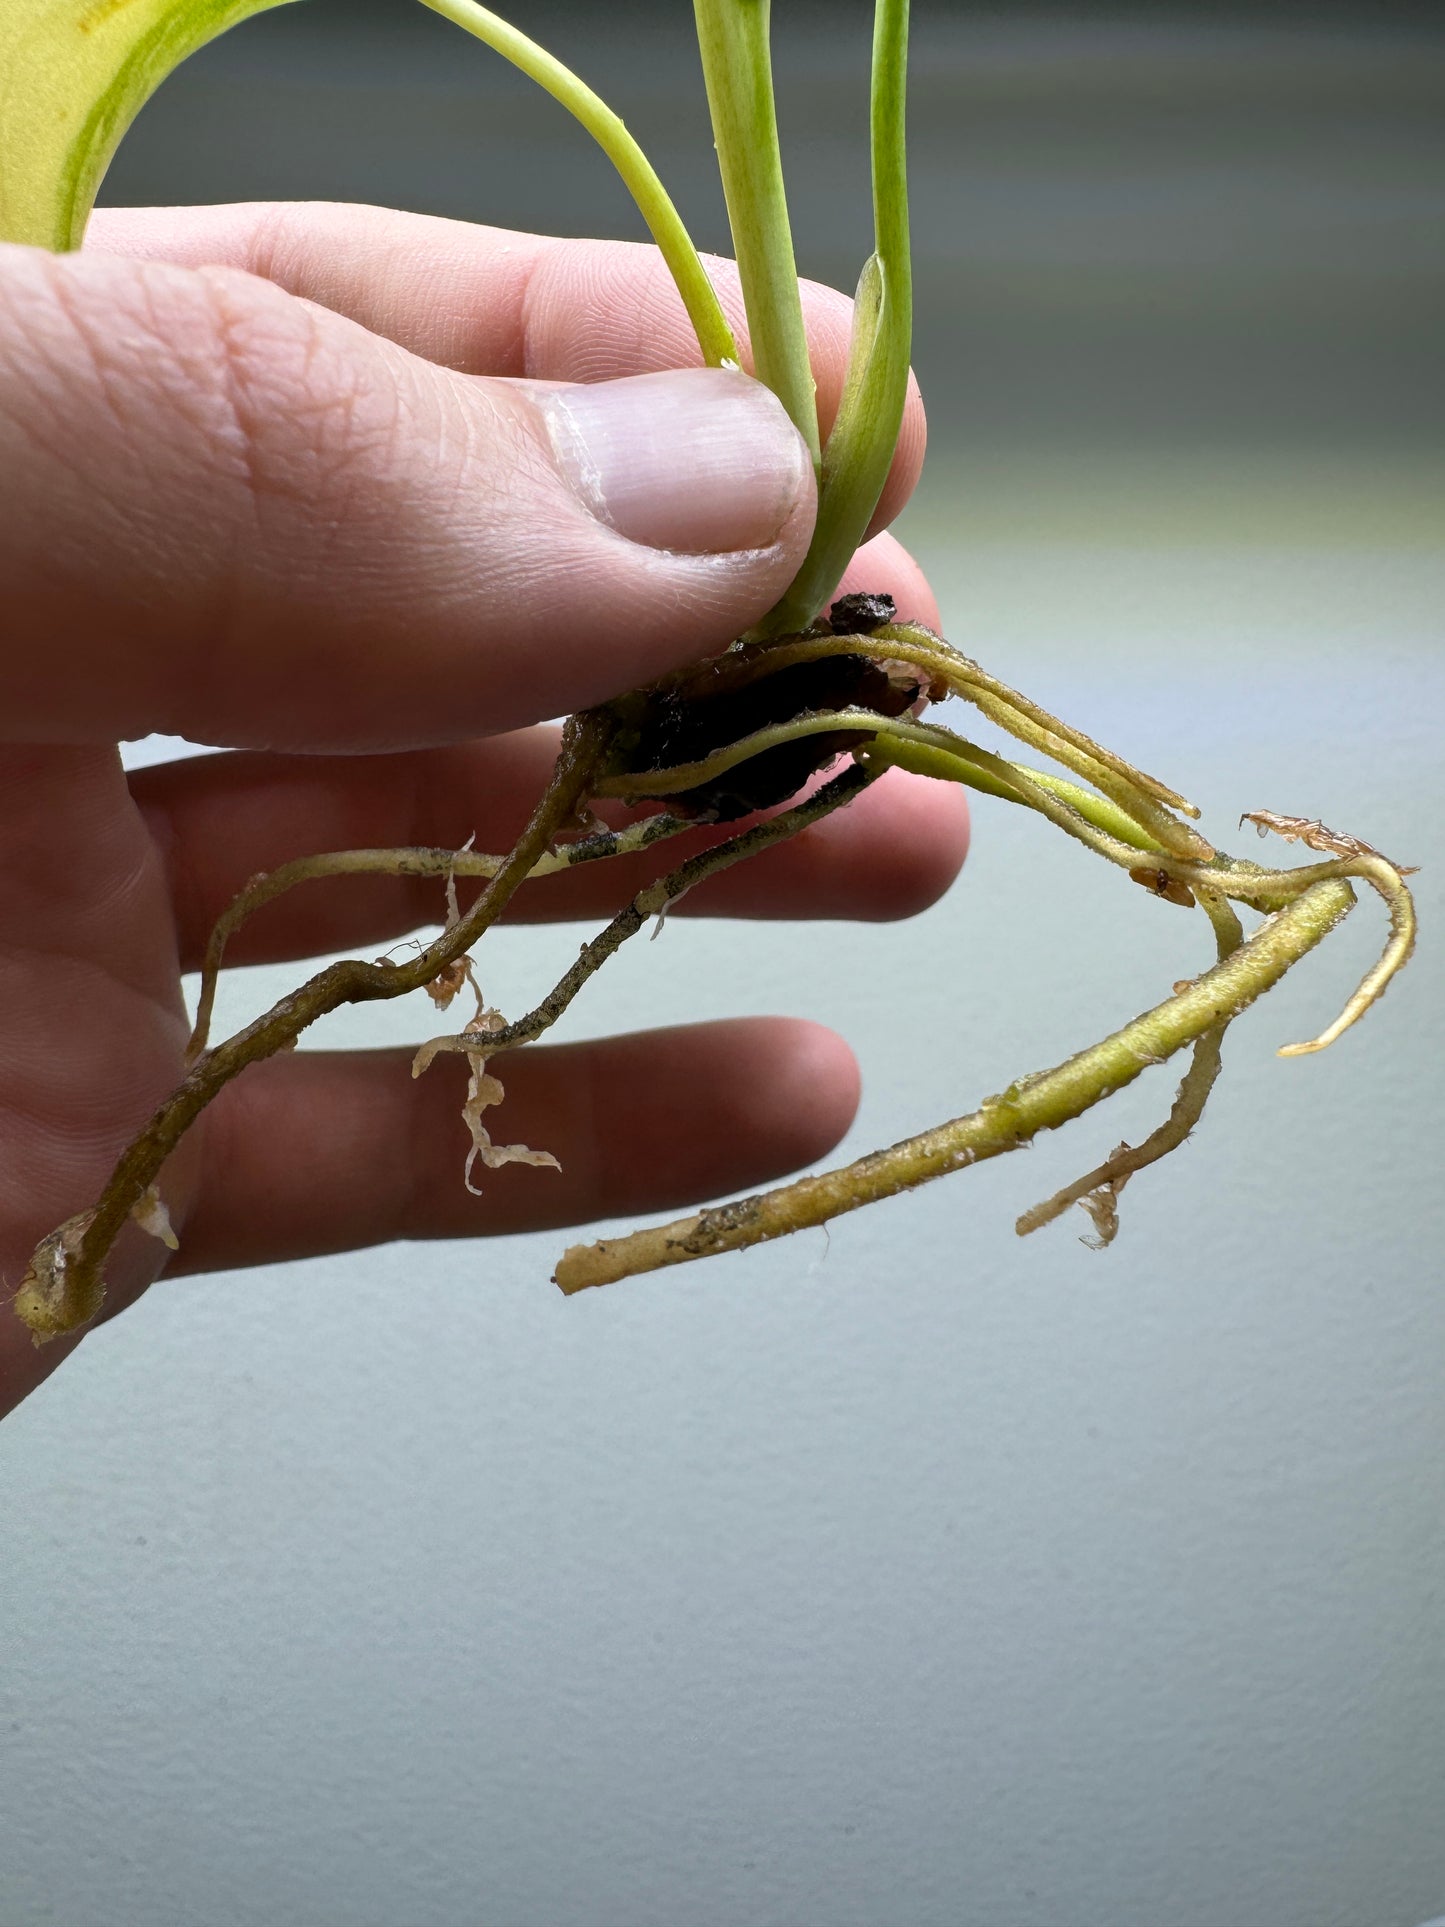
{"x": 305, "y": 481}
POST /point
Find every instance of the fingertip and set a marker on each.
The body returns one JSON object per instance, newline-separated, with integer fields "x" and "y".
{"x": 907, "y": 463}
{"x": 806, "y": 1088}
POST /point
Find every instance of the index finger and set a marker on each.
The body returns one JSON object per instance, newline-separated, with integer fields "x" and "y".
{"x": 486, "y": 301}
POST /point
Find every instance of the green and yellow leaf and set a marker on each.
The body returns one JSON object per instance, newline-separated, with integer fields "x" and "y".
{"x": 73, "y": 76}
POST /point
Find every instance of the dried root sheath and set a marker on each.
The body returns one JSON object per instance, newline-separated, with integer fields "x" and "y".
{"x": 483, "y": 1091}
{"x": 64, "y": 1287}
{"x": 483, "y": 1088}
{"x": 51, "y": 1298}
{"x": 1098, "y": 1191}
{"x": 1313, "y": 834}
{"x": 487, "y": 1036}
{"x": 415, "y": 861}
{"x": 1035, "y": 1104}
{"x": 151, "y": 1215}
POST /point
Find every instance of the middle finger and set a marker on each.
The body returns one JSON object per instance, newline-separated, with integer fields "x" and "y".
{"x": 219, "y": 820}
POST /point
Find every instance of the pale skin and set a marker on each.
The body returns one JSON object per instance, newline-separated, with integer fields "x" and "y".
{"x": 276, "y": 479}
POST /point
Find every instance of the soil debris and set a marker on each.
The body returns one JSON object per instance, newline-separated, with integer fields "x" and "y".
{"x": 860, "y": 615}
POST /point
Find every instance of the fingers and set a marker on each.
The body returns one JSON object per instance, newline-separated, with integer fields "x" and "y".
{"x": 488, "y": 302}
{"x": 220, "y": 820}
{"x": 327, "y": 1152}
{"x": 235, "y": 516}
{"x": 890, "y": 854}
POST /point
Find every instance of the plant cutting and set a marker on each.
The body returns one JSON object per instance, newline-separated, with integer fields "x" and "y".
{"x": 803, "y": 712}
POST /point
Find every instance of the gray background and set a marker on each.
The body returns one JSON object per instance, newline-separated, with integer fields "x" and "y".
{"x": 910, "y": 1574}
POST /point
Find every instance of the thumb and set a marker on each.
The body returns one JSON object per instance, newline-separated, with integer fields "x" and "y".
{"x": 228, "y": 514}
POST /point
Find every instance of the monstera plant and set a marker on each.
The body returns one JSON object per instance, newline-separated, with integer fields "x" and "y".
{"x": 794, "y": 720}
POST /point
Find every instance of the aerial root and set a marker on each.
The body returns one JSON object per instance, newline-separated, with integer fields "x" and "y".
{"x": 416, "y": 860}
{"x": 1007, "y": 1122}
{"x": 1098, "y": 1192}
{"x": 1124, "y": 818}
{"x": 64, "y": 1287}
{"x": 1389, "y": 883}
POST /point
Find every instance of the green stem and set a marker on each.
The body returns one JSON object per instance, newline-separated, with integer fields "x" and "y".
{"x": 737, "y": 67}
{"x": 860, "y": 447}
{"x": 714, "y": 336}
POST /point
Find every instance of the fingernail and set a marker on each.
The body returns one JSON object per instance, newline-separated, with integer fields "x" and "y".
{"x": 702, "y": 460}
